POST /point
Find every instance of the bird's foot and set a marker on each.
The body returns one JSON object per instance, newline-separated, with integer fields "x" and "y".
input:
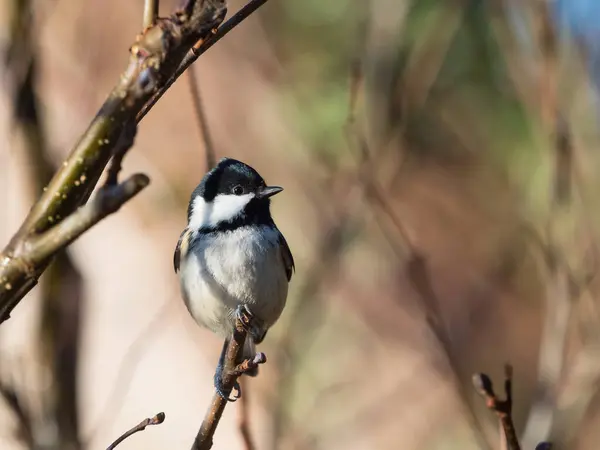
{"x": 226, "y": 393}
{"x": 253, "y": 326}
{"x": 248, "y": 365}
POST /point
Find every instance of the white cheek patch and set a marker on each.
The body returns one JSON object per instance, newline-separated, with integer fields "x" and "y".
{"x": 222, "y": 209}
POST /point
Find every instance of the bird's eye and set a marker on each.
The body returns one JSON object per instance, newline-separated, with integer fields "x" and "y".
{"x": 238, "y": 190}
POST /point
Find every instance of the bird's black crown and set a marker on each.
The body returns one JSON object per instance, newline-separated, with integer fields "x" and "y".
{"x": 228, "y": 177}
{"x": 233, "y": 177}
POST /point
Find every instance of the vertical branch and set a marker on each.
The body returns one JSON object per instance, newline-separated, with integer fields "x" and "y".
{"x": 559, "y": 304}
{"x": 244, "y": 420}
{"x": 503, "y": 408}
{"x": 60, "y": 338}
{"x": 231, "y": 372}
{"x": 201, "y": 46}
{"x": 14, "y": 401}
{"x": 61, "y": 289}
{"x": 201, "y": 119}
{"x": 150, "y": 13}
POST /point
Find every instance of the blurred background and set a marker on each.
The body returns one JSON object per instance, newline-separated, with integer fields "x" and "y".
{"x": 440, "y": 166}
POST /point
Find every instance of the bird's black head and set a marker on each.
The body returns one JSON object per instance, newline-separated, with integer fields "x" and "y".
{"x": 231, "y": 195}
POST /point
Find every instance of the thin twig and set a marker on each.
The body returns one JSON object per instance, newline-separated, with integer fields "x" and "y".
{"x": 503, "y": 408}
{"x": 150, "y": 13}
{"x": 108, "y": 200}
{"x": 244, "y": 420}
{"x": 559, "y": 299}
{"x": 202, "y": 120}
{"x": 199, "y": 48}
{"x": 231, "y": 372}
{"x": 156, "y": 420}
{"x": 114, "y": 401}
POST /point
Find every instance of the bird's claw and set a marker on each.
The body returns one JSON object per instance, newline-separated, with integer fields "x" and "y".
{"x": 253, "y": 326}
{"x": 225, "y": 395}
{"x": 244, "y": 315}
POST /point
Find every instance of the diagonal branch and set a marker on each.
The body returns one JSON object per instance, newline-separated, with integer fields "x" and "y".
{"x": 201, "y": 46}
{"x": 244, "y": 421}
{"x": 154, "y": 58}
{"x": 156, "y": 420}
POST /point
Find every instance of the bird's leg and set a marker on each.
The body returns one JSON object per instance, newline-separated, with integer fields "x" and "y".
{"x": 256, "y": 332}
{"x": 219, "y": 377}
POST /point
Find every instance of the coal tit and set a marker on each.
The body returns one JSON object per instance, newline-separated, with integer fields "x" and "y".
{"x": 231, "y": 254}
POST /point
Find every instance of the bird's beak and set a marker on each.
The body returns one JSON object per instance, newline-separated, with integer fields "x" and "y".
{"x": 268, "y": 191}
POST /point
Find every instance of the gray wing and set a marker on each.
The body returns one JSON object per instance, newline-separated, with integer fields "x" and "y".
{"x": 286, "y": 255}
{"x": 181, "y": 248}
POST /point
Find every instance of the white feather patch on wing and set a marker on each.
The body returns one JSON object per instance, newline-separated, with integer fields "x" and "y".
{"x": 221, "y": 209}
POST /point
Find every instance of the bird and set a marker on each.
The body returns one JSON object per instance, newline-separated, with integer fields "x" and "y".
{"x": 232, "y": 256}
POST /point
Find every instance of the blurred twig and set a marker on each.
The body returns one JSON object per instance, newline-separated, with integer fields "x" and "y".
{"x": 427, "y": 58}
{"x": 125, "y": 372}
{"x": 59, "y": 344}
{"x": 201, "y": 46}
{"x": 156, "y": 420}
{"x": 62, "y": 287}
{"x": 306, "y": 311}
{"x": 231, "y": 372}
{"x": 14, "y": 401}
{"x": 415, "y": 262}
{"x": 559, "y": 301}
{"x": 538, "y": 85}
{"x": 244, "y": 420}
{"x": 50, "y": 226}
{"x": 201, "y": 119}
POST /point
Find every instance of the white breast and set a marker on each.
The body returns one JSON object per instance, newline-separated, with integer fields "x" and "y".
{"x": 223, "y": 270}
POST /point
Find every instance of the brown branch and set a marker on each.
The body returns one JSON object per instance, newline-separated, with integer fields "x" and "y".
{"x": 503, "y": 408}
{"x": 156, "y": 420}
{"x": 231, "y": 372}
{"x": 201, "y": 46}
{"x": 154, "y": 57}
{"x": 560, "y": 300}
{"x": 16, "y": 405}
{"x": 150, "y": 13}
{"x": 202, "y": 120}
{"x": 244, "y": 420}
{"x": 61, "y": 290}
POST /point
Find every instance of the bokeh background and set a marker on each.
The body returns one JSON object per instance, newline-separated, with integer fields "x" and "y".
{"x": 440, "y": 164}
